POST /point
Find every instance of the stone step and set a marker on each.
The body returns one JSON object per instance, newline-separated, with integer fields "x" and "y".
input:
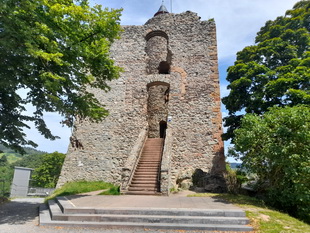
{"x": 149, "y": 154}
{"x": 174, "y": 219}
{"x": 149, "y": 160}
{"x": 143, "y": 179}
{"x": 143, "y": 189}
{"x": 152, "y": 185}
{"x": 147, "y": 168}
{"x": 152, "y": 148}
{"x": 138, "y": 182}
{"x": 145, "y": 176}
{"x": 146, "y": 172}
{"x": 152, "y": 193}
{"x": 147, "y": 164}
{"x": 151, "y": 157}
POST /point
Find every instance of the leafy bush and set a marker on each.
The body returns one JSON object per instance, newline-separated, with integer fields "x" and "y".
{"x": 276, "y": 146}
{"x": 234, "y": 179}
{"x": 47, "y": 174}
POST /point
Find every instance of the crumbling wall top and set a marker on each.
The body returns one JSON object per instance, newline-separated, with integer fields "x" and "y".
{"x": 187, "y": 17}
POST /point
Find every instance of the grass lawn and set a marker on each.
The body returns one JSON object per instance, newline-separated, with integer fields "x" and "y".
{"x": 262, "y": 218}
{"x": 73, "y": 188}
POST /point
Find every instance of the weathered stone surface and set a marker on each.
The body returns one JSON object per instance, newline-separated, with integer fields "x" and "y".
{"x": 170, "y": 75}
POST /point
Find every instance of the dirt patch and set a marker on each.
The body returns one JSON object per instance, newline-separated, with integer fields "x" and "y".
{"x": 3, "y": 199}
{"x": 264, "y": 217}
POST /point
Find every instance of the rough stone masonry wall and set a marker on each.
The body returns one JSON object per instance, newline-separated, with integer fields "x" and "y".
{"x": 157, "y": 108}
{"x": 193, "y": 107}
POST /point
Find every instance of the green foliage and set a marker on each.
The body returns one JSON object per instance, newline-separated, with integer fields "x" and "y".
{"x": 52, "y": 53}
{"x": 3, "y": 161}
{"x": 115, "y": 190}
{"x": 47, "y": 174}
{"x": 274, "y": 71}
{"x": 34, "y": 159}
{"x": 262, "y": 218}
{"x": 276, "y": 146}
{"x": 234, "y": 179}
{"x": 6, "y": 175}
{"x": 73, "y": 188}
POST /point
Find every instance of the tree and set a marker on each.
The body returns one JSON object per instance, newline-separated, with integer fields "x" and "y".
{"x": 52, "y": 53}
{"x": 47, "y": 174}
{"x": 276, "y": 146}
{"x": 3, "y": 161}
{"x": 274, "y": 71}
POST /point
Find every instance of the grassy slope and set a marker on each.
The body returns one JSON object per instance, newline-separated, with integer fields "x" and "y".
{"x": 73, "y": 188}
{"x": 12, "y": 157}
{"x": 262, "y": 218}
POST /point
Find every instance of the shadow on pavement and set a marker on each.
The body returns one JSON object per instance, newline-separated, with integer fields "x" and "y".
{"x": 19, "y": 211}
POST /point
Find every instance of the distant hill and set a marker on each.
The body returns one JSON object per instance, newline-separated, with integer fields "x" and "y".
{"x": 12, "y": 156}
{"x": 28, "y": 150}
{"x": 235, "y": 165}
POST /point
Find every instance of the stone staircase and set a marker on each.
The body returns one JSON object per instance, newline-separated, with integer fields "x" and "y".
{"x": 145, "y": 179}
{"x": 62, "y": 213}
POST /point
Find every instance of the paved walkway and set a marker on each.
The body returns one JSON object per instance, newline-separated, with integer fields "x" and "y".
{"x": 132, "y": 201}
{"x": 21, "y": 215}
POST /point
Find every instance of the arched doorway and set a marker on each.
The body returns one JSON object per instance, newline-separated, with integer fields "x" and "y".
{"x": 162, "y": 129}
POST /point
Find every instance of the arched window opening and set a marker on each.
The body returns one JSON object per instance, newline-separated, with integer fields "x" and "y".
{"x": 164, "y": 68}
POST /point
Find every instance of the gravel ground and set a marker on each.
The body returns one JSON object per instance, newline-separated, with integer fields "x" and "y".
{"x": 21, "y": 216}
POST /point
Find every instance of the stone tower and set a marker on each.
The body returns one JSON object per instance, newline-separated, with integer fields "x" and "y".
{"x": 169, "y": 91}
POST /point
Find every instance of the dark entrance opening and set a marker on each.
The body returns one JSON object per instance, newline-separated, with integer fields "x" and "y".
{"x": 162, "y": 129}
{"x": 164, "y": 68}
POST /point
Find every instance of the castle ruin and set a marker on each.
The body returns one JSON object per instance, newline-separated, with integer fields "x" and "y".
{"x": 164, "y": 119}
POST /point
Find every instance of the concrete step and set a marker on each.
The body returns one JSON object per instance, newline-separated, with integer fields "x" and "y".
{"x": 147, "y": 218}
{"x": 58, "y": 214}
{"x": 66, "y": 206}
{"x": 154, "y": 219}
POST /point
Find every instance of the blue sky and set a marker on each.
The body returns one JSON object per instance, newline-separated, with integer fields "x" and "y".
{"x": 237, "y": 22}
